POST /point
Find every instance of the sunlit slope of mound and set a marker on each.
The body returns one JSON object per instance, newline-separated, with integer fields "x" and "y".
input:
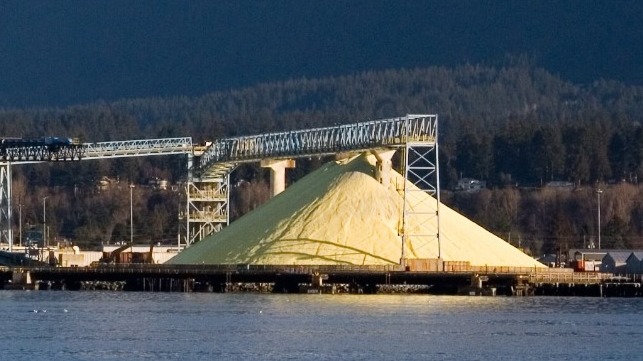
{"x": 460, "y": 238}
{"x": 332, "y": 216}
{"x": 340, "y": 214}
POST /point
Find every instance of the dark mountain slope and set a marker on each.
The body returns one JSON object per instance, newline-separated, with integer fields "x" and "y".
{"x": 70, "y": 52}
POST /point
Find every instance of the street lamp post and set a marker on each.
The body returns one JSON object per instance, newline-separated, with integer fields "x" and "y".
{"x": 598, "y": 217}
{"x": 44, "y": 221}
{"x": 131, "y": 215}
{"x": 20, "y": 223}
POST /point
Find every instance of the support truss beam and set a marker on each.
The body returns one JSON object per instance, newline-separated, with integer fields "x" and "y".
{"x": 321, "y": 141}
{"x": 422, "y": 176}
{"x": 41, "y": 153}
{"x": 6, "y": 230}
{"x": 137, "y": 148}
{"x": 37, "y": 151}
{"x": 208, "y": 203}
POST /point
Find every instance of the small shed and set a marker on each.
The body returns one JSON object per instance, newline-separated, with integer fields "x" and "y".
{"x": 634, "y": 263}
{"x": 588, "y": 260}
{"x": 615, "y": 262}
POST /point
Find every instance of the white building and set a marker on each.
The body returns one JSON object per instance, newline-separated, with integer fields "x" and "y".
{"x": 470, "y": 185}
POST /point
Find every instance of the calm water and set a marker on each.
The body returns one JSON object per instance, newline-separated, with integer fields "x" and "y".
{"x": 165, "y": 326}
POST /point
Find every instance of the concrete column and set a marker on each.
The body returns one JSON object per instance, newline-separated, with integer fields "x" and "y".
{"x": 340, "y": 156}
{"x": 21, "y": 277}
{"x": 277, "y": 173}
{"x": 383, "y": 166}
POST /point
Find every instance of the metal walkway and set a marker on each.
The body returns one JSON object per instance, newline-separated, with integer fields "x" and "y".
{"x": 137, "y": 148}
{"x": 322, "y": 141}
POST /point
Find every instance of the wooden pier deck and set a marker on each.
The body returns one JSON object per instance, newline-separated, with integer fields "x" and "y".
{"x": 293, "y": 279}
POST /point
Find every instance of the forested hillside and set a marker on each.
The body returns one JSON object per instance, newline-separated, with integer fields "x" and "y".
{"x": 516, "y": 127}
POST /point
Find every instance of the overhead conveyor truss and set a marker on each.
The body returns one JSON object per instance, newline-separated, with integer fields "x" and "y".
{"x": 207, "y": 188}
{"x": 415, "y": 134}
{"x": 322, "y": 141}
{"x": 39, "y": 150}
{"x": 23, "y": 152}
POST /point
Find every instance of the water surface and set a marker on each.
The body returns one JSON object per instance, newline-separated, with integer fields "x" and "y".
{"x": 200, "y": 326}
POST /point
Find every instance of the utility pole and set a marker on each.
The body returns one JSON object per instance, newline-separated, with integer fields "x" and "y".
{"x": 131, "y": 215}
{"x": 20, "y": 223}
{"x": 44, "y": 221}
{"x": 598, "y": 211}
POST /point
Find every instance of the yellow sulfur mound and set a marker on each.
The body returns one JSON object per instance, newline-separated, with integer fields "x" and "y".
{"x": 340, "y": 214}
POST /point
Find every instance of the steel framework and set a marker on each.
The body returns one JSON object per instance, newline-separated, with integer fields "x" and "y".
{"x": 206, "y": 214}
{"x": 320, "y": 141}
{"x": 207, "y": 188}
{"x": 88, "y": 151}
{"x": 6, "y": 233}
{"x": 416, "y": 134}
{"x": 422, "y": 175}
{"x": 41, "y": 153}
{"x": 208, "y": 198}
{"x": 26, "y": 151}
{"x": 137, "y": 148}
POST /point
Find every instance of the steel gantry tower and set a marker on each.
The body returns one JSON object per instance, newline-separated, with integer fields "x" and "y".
{"x": 422, "y": 175}
{"x": 18, "y": 150}
{"x": 207, "y": 188}
{"x": 21, "y": 151}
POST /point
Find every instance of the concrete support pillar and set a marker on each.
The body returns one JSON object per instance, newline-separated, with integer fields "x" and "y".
{"x": 340, "y": 156}
{"x": 21, "y": 277}
{"x": 383, "y": 166}
{"x": 277, "y": 173}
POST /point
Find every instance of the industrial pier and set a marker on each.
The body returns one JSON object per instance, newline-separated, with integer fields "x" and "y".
{"x": 320, "y": 279}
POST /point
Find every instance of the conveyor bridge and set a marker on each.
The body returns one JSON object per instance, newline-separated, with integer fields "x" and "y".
{"x": 322, "y": 141}
{"x": 207, "y": 190}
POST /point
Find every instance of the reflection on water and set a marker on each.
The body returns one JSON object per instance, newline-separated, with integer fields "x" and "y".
{"x": 171, "y": 326}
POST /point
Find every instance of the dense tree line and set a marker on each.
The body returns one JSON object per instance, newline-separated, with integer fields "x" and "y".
{"x": 549, "y": 219}
{"x": 514, "y": 126}
{"x": 529, "y": 153}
